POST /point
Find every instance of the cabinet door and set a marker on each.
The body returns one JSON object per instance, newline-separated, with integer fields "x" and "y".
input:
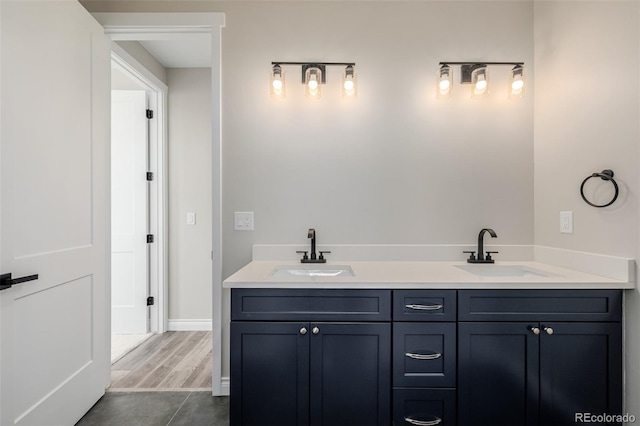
{"x": 498, "y": 366}
{"x": 580, "y": 371}
{"x": 350, "y": 374}
{"x": 269, "y": 374}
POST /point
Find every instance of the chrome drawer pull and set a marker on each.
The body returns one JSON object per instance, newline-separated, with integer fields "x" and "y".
{"x": 411, "y": 421}
{"x": 424, "y": 307}
{"x": 422, "y": 357}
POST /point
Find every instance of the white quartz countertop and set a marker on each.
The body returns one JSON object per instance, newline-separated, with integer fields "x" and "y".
{"x": 420, "y": 275}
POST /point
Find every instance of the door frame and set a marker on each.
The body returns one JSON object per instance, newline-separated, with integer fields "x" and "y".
{"x": 158, "y": 192}
{"x": 181, "y": 26}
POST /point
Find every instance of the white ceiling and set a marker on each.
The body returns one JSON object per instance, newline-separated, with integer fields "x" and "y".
{"x": 181, "y": 53}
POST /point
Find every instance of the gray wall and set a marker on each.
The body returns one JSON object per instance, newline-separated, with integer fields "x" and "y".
{"x": 397, "y": 166}
{"x": 190, "y": 246}
{"x": 587, "y": 110}
{"x": 394, "y": 166}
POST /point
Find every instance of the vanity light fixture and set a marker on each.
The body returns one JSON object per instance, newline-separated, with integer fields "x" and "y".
{"x": 477, "y": 75}
{"x": 313, "y": 77}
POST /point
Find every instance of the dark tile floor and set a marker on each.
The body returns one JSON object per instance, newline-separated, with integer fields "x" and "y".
{"x": 158, "y": 409}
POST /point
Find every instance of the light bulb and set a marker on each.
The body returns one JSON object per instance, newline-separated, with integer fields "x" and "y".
{"x": 517, "y": 85}
{"x": 277, "y": 87}
{"x": 312, "y": 85}
{"x": 444, "y": 82}
{"x": 277, "y": 82}
{"x": 444, "y": 86}
{"x": 517, "y": 82}
{"x": 349, "y": 83}
{"x": 349, "y": 87}
{"x": 481, "y": 84}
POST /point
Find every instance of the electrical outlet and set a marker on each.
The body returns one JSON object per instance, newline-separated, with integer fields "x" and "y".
{"x": 243, "y": 221}
{"x": 566, "y": 222}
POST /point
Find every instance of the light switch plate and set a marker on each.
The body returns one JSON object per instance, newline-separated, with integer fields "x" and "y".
{"x": 191, "y": 218}
{"x": 243, "y": 221}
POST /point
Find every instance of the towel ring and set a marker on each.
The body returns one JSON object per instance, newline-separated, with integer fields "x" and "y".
{"x": 604, "y": 175}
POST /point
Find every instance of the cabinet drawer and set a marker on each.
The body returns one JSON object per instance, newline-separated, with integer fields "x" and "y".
{"x": 424, "y": 407}
{"x": 310, "y": 305}
{"x": 424, "y": 305}
{"x": 540, "y": 305}
{"x": 424, "y": 355}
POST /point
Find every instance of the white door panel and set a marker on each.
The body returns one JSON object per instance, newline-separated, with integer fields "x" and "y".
{"x": 54, "y": 210}
{"x": 129, "y": 215}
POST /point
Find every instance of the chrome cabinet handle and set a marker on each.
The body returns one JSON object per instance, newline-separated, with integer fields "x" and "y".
{"x": 549, "y": 330}
{"x": 422, "y": 356}
{"x": 315, "y": 330}
{"x": 303, "y": 331}
{"x": 435, "y": 422}
{"x": 535, "y": 330}
{"x": 424, "y": 307}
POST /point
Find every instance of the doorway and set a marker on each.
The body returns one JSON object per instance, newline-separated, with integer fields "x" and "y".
{"x": 138, "y": 207}
{"x": 190, "y": 27}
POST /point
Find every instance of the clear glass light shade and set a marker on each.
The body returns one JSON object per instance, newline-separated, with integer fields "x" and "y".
{"x": 480, "y": 82}
{"x": 349, "y": 83}
{"x": 517, "y": 84}
{"x": 313, "y": 79}
{"x": 277, "y": 86}
{"x": 444, "y": 82}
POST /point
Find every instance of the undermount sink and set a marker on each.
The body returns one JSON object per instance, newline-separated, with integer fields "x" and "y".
{"x": 313, "y": 270}
{"x": 492, "y": 270}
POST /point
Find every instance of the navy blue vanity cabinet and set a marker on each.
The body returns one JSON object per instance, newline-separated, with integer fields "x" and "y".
{"x": 424, "y": 357}
{"x": 269, "y": 373}
{"x": 538, "y": 357}
{"x": 310, "y": 357}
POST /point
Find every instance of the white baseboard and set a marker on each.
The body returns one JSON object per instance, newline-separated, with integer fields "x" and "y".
{"x": 225, "y": 386}
{"x": 190, "y": 325}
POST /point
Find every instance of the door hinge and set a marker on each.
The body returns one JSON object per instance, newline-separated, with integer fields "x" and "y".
{"x": 149, "y": 114}
{"x": 150, "y": 301}
{"x": 149, "y": 176}
{"x": 149, "y": 238}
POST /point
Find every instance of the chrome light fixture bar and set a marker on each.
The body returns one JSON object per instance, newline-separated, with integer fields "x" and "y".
{"x": 477, "y": 74}
{"x": 313, "y": 76}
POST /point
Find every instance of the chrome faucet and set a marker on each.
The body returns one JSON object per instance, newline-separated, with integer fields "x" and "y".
{"x": 481, "y": 258}
{"x": 313, "y": 257}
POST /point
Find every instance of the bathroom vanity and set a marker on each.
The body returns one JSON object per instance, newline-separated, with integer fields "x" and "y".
{"x": 363, "y": 349}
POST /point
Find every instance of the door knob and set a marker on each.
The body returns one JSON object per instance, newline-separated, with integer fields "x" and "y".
{"x": 7, "y": 282}
{"x": 315, "y": 330}
{"x": 535, "y": 330}
{"x": 549, "y": 330}
{"x": 303, "y": 331}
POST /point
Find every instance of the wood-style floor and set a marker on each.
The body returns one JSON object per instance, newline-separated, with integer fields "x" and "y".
{"x": 175, "y": 360}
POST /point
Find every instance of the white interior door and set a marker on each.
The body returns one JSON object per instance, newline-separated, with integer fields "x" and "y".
{"x": 54, "y": 211}
{"x": 129, "y": 212}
